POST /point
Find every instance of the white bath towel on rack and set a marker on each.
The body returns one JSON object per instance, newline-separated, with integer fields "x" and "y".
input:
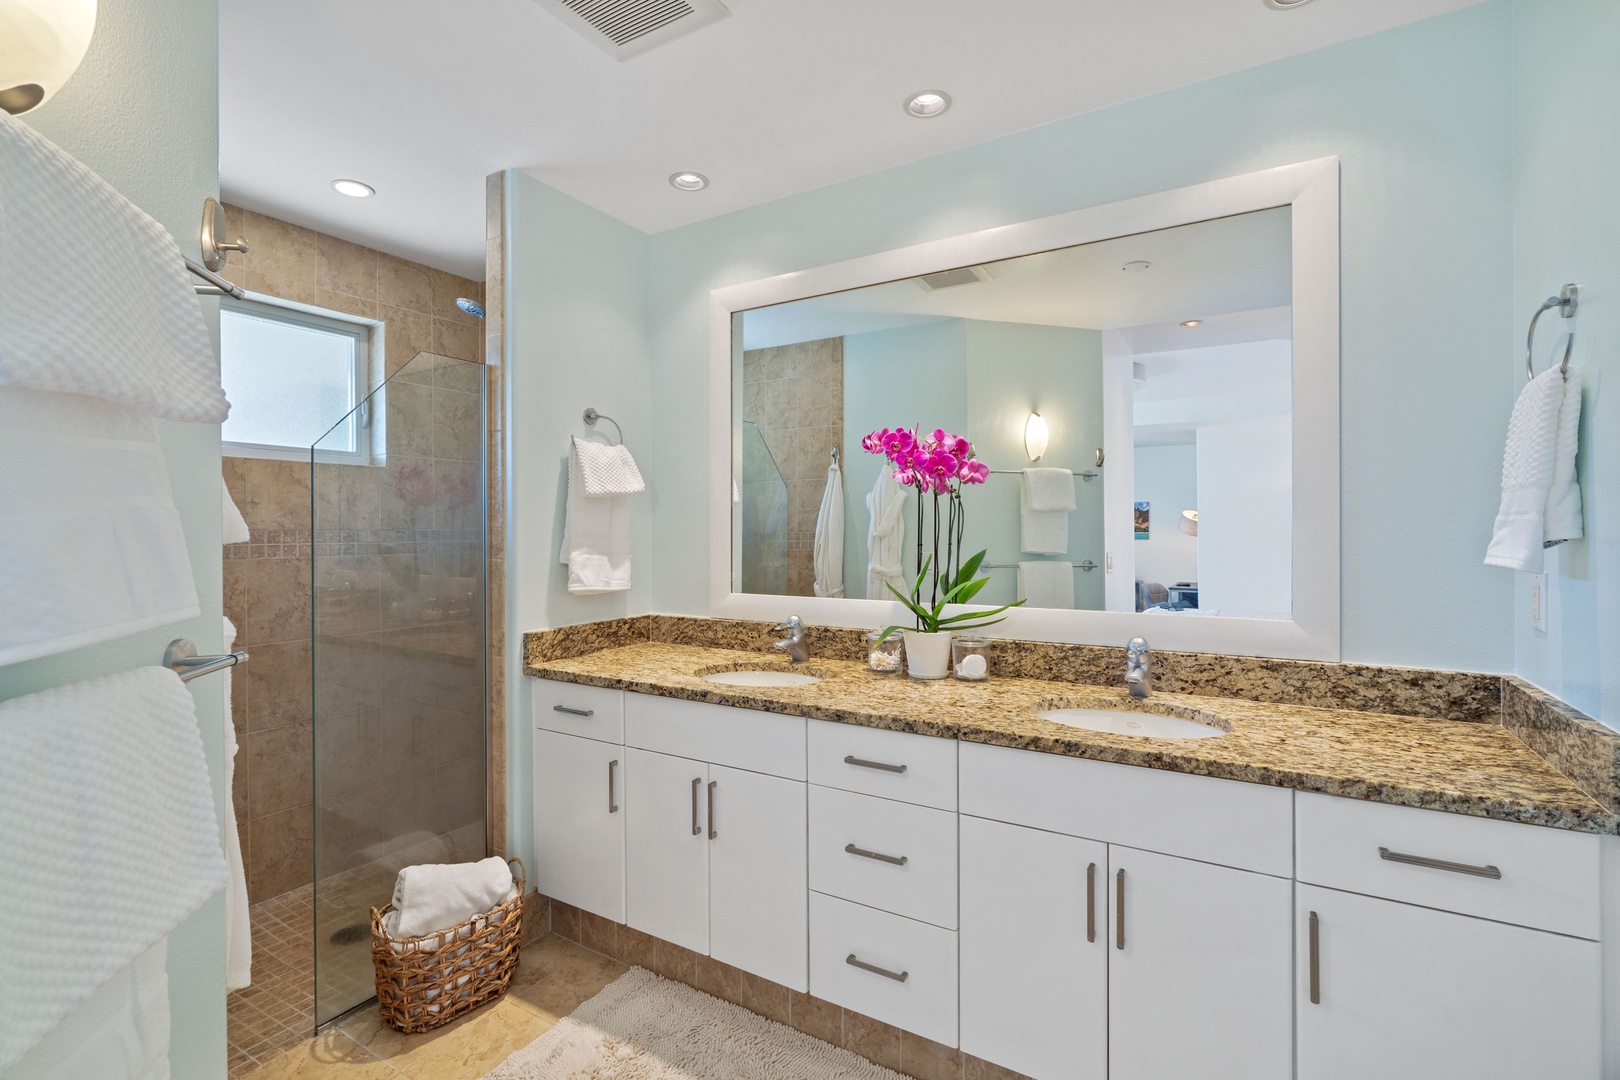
{"x": 119, "y": 841}
{"x": 1045, "y": 500}
{"x": 1046, "y": 584}
{"x": 238, "y": 926}
{"x": 607, "y": 470}
{"x": 94, "y": 294}
{"x": 1528, "y": 466}
{"x": 885, "y": 535}
{"x": 1562, "y": 520}
{"x": 596, "y": 536}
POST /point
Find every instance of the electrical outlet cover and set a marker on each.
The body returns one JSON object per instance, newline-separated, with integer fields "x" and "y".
{"x": 1538, "y": 602}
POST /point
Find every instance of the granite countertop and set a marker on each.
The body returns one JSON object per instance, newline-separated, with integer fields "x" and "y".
{"x": 1463, "y": 767}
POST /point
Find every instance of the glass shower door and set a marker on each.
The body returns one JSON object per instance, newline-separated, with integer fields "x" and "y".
{"x": 398, "y": 654}
{"x": 763, "y": 507}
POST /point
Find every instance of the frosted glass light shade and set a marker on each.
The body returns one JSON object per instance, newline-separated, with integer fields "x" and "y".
{"x": 1189, "y": 522}
{"x": 41, "y": 45}
{"x": 1035, "y": 436}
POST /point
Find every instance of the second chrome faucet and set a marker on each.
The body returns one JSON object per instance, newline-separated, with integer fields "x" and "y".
{"x": 797, "y": 642}
{"x": 1138, "y": 673}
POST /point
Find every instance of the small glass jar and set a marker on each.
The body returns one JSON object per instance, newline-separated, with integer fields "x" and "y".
{"x": 970, "y": 657}
{"x": 886, "y": 657}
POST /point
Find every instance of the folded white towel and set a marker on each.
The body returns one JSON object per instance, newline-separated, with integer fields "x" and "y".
{"x": 596, "y": 537}
{"x": 884, "y": 536}
{"x": 238, "y": 927}
{"x": 828, "y": 552}
{"x": 112, "y": 839}
{"x": 1045, "y": 498}
{"x": 120, "y": 1032}
{"x": 1527, "y": 475}
{"x": 94, "y": 294}
{"x": 1563, "y": 515}
{"x": 91, "y": 547}
{"x": 439, "y": 896}
{"x": 232, "y": 525}
{"x": 606, "y": 470}
{"x": 1046, "y": 584}
{"x": 1049, "y": 489}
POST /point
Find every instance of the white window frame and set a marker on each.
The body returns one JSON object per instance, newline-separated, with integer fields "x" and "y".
{"x": 365, "y": 333}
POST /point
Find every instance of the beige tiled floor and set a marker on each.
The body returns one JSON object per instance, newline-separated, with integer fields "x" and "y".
{"x": 278, "y": 1010}
{"x": 554, "y": 978}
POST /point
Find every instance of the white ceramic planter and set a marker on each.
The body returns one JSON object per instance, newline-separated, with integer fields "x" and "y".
{"x": 928, "y": 656}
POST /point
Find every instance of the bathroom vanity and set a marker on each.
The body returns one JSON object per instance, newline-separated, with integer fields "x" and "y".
{"x": 1319, "y": 893}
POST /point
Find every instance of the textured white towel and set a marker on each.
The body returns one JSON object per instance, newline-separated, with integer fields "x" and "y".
{"x": 238, "y": 927}
{"x": 607, "y": 470}
{"x": 111, "y": 839}
{"x": 1045, "y": 531}
{"x": 884, "y": 536}
{"x": 1563, "y": 516}
{"x": 121, "y": 1032}
{"x": 1046, "y": 584}
{"x": 91, "y": 547}
{"x": 828, "y": 553}
{"x": 439, "y": 896}
{"x": 232, "y": 525}
{"x": 94, "y": 294}
{"x": 1527, "y": 475}
{"x": 1049, "y": 489}
{"x": 596, "y": 537}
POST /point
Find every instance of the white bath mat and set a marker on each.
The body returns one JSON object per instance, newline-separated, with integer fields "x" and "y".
{"x": 642, "y": 1027}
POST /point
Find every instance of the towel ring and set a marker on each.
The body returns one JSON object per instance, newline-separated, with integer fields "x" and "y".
{"x": 592, "y": 416}
{"x": 1567, "y": 301}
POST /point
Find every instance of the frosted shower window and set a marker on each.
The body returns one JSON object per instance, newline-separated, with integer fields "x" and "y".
{"x": 291, "y": 376}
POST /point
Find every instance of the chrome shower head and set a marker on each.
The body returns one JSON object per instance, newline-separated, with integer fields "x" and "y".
{"x": 471, "y": 307}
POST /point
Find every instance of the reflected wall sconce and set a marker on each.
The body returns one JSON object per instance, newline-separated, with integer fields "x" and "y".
{"x": 1035, "y": 436}
{"x": 42, "y": 43}
{"x": 1189, "y": 522}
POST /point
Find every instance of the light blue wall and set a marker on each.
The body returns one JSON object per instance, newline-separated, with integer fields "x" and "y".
{"x": 1167, "y": 480}
{"x": 143, "y": 112}
{"x": 1420, "y": 117}
{"x": 1566, "y": 144}
{"x": 575, "y": 337}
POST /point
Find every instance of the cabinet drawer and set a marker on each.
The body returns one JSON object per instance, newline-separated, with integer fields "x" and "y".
{"x": 1225, "y": 822}
{"x": 1523, "y": 874}
{"x": 859, "y": 842}
{"x": 592, "y": 711}
{"x": 741, "y": 738}
{"x": 893, "y": 764}
{"x": 843, "y": 934}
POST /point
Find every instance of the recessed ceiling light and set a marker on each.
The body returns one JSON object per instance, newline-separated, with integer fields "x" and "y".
{"x": 688, "y": 181}
{"x": 927, "y": 104}
{"x": 1192, "y": 322}
{"x": 1136, "y": 267}
{"x": 1284, "y": 5}
{"x": 354, "y": 189}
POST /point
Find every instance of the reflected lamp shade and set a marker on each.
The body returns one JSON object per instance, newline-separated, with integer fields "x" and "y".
{"x": 1035, "y": 436}
{"x": 1189, "y": 522}
{"x": 41, "y": 45}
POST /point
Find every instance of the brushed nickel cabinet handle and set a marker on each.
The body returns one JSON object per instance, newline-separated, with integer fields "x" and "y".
{"x": 613, "y": 807}
{"x": 712, "y": 785}
{"x": 1316, "y": 960}
{"x": 697, "y": 782}
{"x": 894, "y": 860}
{"x": 898, "y": 976}
{"x": 573, "y": 712}
{"x": 1119, "y": 912}
{"x": 1091, "y": 903}
{"x": 862, "y": 763}
{"x": 1440, "y": 864}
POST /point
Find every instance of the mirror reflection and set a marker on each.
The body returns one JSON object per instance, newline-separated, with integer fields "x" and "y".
{"x": 1128, "y": 405}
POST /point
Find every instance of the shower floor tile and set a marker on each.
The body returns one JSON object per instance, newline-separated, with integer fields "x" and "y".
{"x": 278, "y": 1010}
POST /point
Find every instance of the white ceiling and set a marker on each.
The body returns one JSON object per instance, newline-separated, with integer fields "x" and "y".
{"x": 423, "y": 98}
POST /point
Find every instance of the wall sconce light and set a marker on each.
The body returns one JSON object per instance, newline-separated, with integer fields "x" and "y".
{"x": 41, "y": 45}
{"x": 1189, "y": 522}
{"x": 1035, "y": 436}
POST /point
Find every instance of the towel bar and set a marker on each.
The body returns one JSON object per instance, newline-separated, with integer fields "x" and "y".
{"x": 1087, "y": 475}
{"x": 216, "y": 284}
{"x": 182, "y": 659}
{"x": 1567, "y": 301}
{"x": 1087, "y": 565}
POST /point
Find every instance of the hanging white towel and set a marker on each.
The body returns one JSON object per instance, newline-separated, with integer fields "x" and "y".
{"x": 91, "y": 547}
{"x": 121, "y": 1032}
{"x": 829, "y": 544}
{"x": 1045, "y": 500}
{"x": 232, "y": 525}
{"x": 1527, "y": 474}
{"x": 112, "y": 840}
{"x": 596, "y": 536}
{"x": 1046, "y": 584}
{"x": 607, "y": 470}
{"x": 94, "y": 295}
{"x": 238, "y": 928}
{"x": 1563, "y": 516}
{"x": 885, "y": 536}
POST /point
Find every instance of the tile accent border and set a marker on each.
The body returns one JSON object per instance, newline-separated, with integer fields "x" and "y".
{"x": 1573, "y": 743}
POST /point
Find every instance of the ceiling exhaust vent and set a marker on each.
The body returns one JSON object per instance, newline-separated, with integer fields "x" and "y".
{"x": 625, "y": 28}
{"x": 949, "y": 279}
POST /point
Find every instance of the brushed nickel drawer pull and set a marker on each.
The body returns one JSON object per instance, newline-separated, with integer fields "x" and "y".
{"x": 898, "y": 976}
{"x": 613, "y": 807}
{"x": 862, "y": 763}
{"x": 1091, "y": 902}
{"x": 895, "y": 860}
{"x": 712, "y": 785}
{"x": 697, "y": 782}
{"x": 1316, "y": 960}
{"x": 573, "y": 712}
{"x": 1440, "y": 864}
{"x": 1119, "y": 915}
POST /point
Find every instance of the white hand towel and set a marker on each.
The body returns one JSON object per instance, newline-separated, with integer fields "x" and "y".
{"x": 238, "y": 928}
{"x": 1046, "y": 584}
{"x": 596, "y": 537}
{"x": 1045, "y": 498}
{"x": 91, "y": 547}
{"x": 1527, "y": 475}
{"x": 232, "y": 525}
{"x": 94, "y": 295}
{"x": 1563, "y": 515}
{"x": 884, "y": 536}
{"x": 120, "y": 1032}
{"x": 112, "y": 840}
{"x": 440, "y": 896}
{"x": 607, "y": 470}
{"x": 828, "y": 554}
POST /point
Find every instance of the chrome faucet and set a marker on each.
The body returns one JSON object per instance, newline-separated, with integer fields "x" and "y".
{"x": 797, "y": 643}
{"x": 1138, "y": 672}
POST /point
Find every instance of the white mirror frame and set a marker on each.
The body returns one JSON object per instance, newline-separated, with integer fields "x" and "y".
{"x": 1311, "y": 188}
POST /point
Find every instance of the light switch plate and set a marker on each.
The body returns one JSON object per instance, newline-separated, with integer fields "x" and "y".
{"x": 1538, "y": 602}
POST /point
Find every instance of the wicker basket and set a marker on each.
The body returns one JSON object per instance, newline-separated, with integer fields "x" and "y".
{"x": 427, "y": 981}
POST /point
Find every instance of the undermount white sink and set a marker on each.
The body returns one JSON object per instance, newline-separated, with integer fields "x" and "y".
{"x": 1130, "y": 722}
{"x": 762, "y": 677}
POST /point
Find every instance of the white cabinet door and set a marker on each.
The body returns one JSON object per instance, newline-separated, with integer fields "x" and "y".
{"x": 1200, "y": 971}
{"x": 579, "y": 799}
{"x": 758, "y": 898}
{"x": 1406, "y": 992}
{"x": 1034, "y": 950}
{"x": 667, "y": 848}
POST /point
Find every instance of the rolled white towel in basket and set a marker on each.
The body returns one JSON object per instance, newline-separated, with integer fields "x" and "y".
{"x": 440, "y": 896}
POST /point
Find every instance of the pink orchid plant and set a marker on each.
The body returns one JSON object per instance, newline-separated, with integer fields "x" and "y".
{"x": 938, "y": 462}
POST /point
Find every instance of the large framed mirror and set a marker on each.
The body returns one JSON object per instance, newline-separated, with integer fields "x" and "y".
{"x": 1149, "y": 390}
